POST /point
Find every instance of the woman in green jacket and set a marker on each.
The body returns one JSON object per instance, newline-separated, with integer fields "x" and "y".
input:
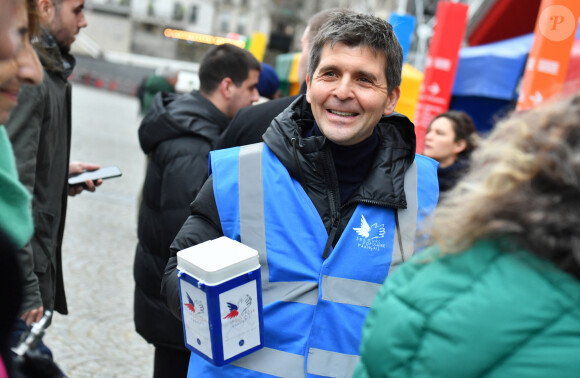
{"x": 498, "y": 295}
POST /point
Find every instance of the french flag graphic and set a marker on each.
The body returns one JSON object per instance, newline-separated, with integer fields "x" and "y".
{"x": 233, "y": 311}
{"x": 190, "y": 305}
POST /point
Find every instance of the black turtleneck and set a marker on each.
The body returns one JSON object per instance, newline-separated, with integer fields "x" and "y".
{"x": 352, "y": 163}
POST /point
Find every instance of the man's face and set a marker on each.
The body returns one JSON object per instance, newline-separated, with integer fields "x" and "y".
{"x": 8, "y": 35}
{"x": 68, "y": 20}
{"x": 348, "y": 93}
{"x": 244, "y": 95}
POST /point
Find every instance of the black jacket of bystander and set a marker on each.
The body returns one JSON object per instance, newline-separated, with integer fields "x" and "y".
{"x": 177, "y": 135}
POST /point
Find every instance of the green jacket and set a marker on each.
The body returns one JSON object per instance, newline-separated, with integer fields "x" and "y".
{"x": 16, "y": 219}
{"x": 484, "y": 312}
{"x": 40, "y": 129}
{"x": 153, "y": 85}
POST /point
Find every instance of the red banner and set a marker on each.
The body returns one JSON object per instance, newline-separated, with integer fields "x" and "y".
{"x": 442, "y": 58}
{"x": 548, "y": 59}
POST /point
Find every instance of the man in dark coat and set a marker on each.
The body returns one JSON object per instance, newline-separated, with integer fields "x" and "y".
{"x": 250, "y": 123}
{"x": 177, "y": 135}
{"x": 40, "y": 131}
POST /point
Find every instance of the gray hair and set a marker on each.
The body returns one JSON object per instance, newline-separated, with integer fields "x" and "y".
{"x": 357, "y": 29}
{"x": 315, "y": 23}
{"x": 167, "y": 72}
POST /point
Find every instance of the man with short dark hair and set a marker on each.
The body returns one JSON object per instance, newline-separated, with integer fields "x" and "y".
{"x": 40, "y": 132}
{"x": 251, "y": 122}
{"x": 177, "y": 134}
{"x": 331, "y": 201}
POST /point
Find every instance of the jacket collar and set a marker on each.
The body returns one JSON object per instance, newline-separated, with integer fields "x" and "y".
{"x": 174, "y": 115}
{"x": 51, "y": 57}
{"x": 383, "y": 186}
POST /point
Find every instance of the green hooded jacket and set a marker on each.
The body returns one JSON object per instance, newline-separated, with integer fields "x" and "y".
{"x": 153, "y": 85}
{"x": 490, "y": 311}
{"x": 16, "y": 219}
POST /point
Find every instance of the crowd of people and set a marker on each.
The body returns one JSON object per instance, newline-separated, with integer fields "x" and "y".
{"x": 375, "y": 260}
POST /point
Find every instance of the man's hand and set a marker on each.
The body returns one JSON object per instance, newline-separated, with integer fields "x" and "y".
{"x": 90, "y": 185}
{"x": 33, "y": 316}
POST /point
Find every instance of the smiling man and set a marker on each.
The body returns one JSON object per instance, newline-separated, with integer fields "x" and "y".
{"x": 331, "y": 200}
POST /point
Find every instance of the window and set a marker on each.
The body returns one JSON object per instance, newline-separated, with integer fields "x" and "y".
{"x": 225, "y": 22}
{"x": 151, "y": 8}
{"x": 193, "y": 14}
{"x": 242, "y": 24}
{"x": 178, "y": 11}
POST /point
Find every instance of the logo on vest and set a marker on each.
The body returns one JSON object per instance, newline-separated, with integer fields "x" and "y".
{"x": 370, "y": 236}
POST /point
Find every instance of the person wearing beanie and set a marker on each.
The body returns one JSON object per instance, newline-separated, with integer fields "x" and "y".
{"x": 268, "y": 83}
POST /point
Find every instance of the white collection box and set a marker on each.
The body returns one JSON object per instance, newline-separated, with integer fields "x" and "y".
{"x": 221, "y": 300}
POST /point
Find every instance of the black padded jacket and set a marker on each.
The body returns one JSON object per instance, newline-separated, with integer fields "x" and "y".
{"x": 177, "y": 135}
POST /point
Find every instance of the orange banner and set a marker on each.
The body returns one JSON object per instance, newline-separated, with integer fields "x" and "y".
{"x": 442, "y": 59}
{"x": 548, "y": 59}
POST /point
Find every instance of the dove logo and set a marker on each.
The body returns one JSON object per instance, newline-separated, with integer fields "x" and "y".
{"x": 194, "y": 307}
{"x": 369, "y": 236}
{"x": 369, "y": 232}
{"x": 233, "y": 311}
{"x": 190, "y": 305}
{"x": 239, "y": 312}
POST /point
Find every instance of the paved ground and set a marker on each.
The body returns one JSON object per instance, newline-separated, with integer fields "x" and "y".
{"x": 97, "y": 338}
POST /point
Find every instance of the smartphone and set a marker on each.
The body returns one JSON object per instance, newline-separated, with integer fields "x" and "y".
{"x": 101, "y": 173}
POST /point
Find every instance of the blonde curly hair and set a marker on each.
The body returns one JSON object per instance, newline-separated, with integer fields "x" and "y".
{"x": 524, "y": 183}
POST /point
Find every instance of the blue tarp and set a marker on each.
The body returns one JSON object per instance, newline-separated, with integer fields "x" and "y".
{"x": 484, "y": 111}
{"x": 492, "y": 70}
{"x": 487, "y": 78}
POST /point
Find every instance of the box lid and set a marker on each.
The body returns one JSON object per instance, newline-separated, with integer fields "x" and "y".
{"x": 217, "y": 260}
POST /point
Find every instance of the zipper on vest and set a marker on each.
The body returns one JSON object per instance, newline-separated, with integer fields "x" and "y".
{"x": 331, "y": 236}
{"x": 334, "y": 201}
{"x": 374, "y": 203}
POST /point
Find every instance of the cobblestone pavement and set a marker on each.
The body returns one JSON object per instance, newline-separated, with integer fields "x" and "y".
{"x": 98, "y": 338}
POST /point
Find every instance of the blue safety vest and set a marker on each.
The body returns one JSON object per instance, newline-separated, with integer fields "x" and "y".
{"x": 314, "y": 308}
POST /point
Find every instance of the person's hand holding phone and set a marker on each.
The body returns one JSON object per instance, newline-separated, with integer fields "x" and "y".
{"x": 90, "y": 185}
